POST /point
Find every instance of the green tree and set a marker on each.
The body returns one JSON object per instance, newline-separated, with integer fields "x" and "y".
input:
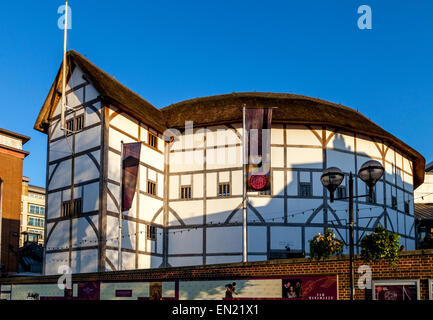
{"x": 381, "y": 244}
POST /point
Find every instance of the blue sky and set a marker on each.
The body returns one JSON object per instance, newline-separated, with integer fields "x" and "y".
{"x": 175, "y": 50}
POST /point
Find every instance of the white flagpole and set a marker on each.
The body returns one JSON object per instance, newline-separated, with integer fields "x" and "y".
{"x": 62, "y": 123}
{"x": 119, "y": 256}
{"x": 244, "y": 196}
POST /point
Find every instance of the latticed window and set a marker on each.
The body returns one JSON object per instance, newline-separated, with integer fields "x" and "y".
{"x": 185, "y": 192}
{"x": 150, "y": 232}
{"x": 406, "y": 207}
{"x": 151, "y": 187}
{"x": 305, "y": 189}
{"x": 394, "y": 202}
{"x": 153, "y": 140}
{"x": 72, "y": 208}
{"x": 224, "y": 189}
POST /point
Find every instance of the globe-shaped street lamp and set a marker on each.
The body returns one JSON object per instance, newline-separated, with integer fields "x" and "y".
{"x": 331, "y": 178}
{"x": 370, "y": 172}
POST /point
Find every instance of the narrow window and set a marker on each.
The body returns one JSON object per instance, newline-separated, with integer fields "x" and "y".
{"x": 153, "y": 140}
{"x": 406, "y": 207}
{"x": 151, "y": 187}
{"x": 341, "y": 192}
{"x": 305, "y": 189}
{"x": 394, "y": 202}
{"x": 150, "y": 232}
{"x": 185, "y": 192}
{"x": 265, "y": 193}
{"x": 224, "y": 189}
{"x": 70, "y": 125}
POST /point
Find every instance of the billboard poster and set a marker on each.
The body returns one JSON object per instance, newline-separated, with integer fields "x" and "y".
{"x": 401, "y": 290}
{"x": 288, "y": 288}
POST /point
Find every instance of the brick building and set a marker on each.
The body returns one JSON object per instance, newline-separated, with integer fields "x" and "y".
{"x": 11, "y": 172}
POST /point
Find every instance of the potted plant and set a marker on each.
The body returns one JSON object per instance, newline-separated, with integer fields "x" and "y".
{"x": 381, "y": 244}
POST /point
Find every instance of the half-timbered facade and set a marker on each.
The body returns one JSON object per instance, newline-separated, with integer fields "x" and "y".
{"x": 187, "y": 209}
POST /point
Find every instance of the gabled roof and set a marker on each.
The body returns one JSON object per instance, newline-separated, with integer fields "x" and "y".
{"x": 108, "y": 87}
{"x": 429, "y": 167}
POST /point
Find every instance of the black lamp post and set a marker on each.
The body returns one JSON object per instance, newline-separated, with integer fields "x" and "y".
{"x": 370, "y": 172}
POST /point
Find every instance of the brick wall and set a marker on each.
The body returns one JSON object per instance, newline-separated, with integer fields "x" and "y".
{"x": 412, "y": 265}
{"x": 11, "y": 169}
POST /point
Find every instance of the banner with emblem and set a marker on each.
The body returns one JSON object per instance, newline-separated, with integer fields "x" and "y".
{"x": 258, "y": 149}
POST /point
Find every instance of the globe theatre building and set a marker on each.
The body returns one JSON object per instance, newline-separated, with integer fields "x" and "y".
{"x": 187, "y": 209}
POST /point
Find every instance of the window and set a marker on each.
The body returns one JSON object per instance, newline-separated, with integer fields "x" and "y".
{"x": 72, "y": 208}
{"x": 153, "y": 140}
{"x": 151, "y": 187}
{"x": 341, "y": 192}
{"x": 75, "y": 124}
{"x": 150, "y": 232}
{"x": 305, "y": 189}
{"x": 185, "y": 192}
{"x": 36, "y": 209}
{"x": 406, "y": 207}
{"x": 35, "y": 222}
{"x": 394, "y": 202}
{"x": 224, "y": 189}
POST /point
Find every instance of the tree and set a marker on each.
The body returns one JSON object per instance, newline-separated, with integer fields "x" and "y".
{"x": 380, "y": 244}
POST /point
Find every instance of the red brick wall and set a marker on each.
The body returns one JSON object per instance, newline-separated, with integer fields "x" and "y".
{"x": 11, "y": 171}
{"x": 412, "y": 265}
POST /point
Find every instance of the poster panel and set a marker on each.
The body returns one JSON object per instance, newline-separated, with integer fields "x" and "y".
{"x": 402, "y": 290}
{"x": 288, "y": 288}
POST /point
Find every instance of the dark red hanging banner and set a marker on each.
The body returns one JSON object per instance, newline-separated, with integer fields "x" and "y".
{"x": 130, "y": 163}
{"x": 258, "y": 162}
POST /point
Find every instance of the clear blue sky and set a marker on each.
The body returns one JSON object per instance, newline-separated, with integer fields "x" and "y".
{"x": 175, "y": 50}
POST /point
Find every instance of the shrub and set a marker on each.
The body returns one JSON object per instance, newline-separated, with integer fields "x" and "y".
{"x": 380, "y": 244}
{"x": 325, "y": 245}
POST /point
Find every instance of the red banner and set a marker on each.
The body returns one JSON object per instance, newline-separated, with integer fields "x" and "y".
{"x": 130, "y": 163}
{"x": 258, "y": 162}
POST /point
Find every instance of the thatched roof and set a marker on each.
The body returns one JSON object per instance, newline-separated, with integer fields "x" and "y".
{"x": 227, "y": 108}
{"x": 108, "y": 87}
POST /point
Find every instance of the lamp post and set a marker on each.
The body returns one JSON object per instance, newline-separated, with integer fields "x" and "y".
{"x": 370, "y": 172}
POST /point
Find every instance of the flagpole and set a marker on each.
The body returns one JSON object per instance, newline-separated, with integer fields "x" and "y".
{"x": 119, "y": 257}
{"x": 244, "y": 195}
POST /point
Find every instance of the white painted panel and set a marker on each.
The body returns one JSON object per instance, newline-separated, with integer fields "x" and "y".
{"x": 128, "y": 234}
{"x": 269, "y": 208}
{"x": 304, "y": 176}
{"x": 76, "y": 78}
{"x": 88, "y": 139}
{"x": 160, "y": 185}
{"x": 85, "y": 169}
{"x": 277, "y": 157}
{"x": 211, "y": 180}
{"x": 278, "y": 183}
{"x": 191, "y": 211}
{"x": 224, "y": 176}
{"x": 84, "y": 261}
{"x": 59, "y": 238}
{"x": 111, "y": 205}
{"x": 292, "y": 183}
{"x": 75, "y": 98}
{"x": 342, "y": 142}
{"x": 252, "y": 258}
{"x": 185, "y": 179}
{"x": 197, "y": 189}
{"x": 277, "y": 134}
{"x": 54, "y": 261}
{"x": 174, "y": 187}
{"x": 112, "y": 256}
{"x": 223, "y": 259}
{"x": 300, "y": 135}
{"x": 152, "y": 158}
{"x": 187, "y": 241}
{"x": 186, "y": 161}
{"x": 224, "y": 239}
{"x": 60, "y": 148}
{"x": 91, "y": 116}
{"x": 149, "y": 207}
{"x": 304, "y": 158}
{"x": 286, "y": 236}
{"x": 125, "y": 123}
{"x": 299, "y": 210}
{"x": 91, "y": 93}
{"x": 128, "y": 261}
{"x": 185, "y": 261}
{"x": 62, "y": 176}
{"x": 256, "y": 239}
{"x": 83, "y": 234}
{"x": 144, "y": 261}
{"x": 112, "y": 232}
{"x": 54, "y": 205}
{"x": 344, "y": 161}
{"x": 218, "y": 210}
{"x": 317, "y": 185}
{"x": 367, "y": 148}
{"x": 237, "y": 182}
